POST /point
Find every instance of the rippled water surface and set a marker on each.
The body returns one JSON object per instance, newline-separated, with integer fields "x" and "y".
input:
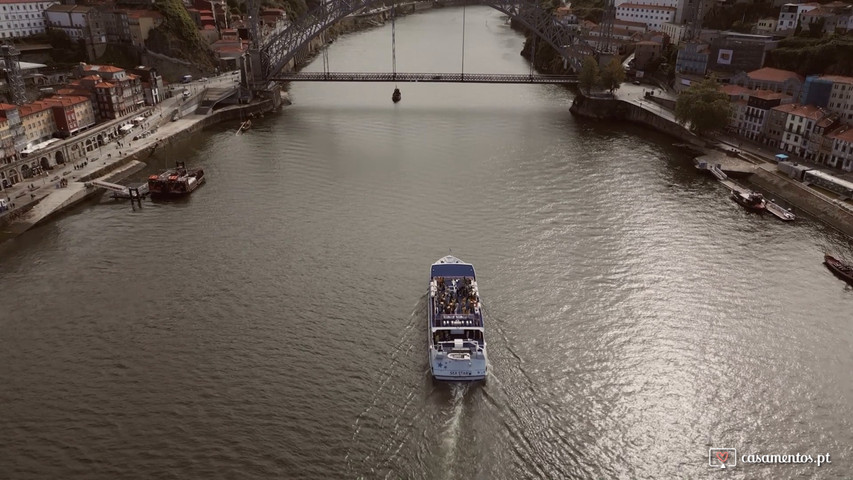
{"x": 272, "y": 325}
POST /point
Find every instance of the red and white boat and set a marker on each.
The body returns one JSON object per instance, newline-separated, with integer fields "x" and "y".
{"x": 176, "y": 181}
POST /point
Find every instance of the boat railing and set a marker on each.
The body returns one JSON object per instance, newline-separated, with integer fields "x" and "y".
{"x": 458, "y": 320}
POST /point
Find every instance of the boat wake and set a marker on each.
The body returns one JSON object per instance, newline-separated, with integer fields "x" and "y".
{"x": 452, "y": 429}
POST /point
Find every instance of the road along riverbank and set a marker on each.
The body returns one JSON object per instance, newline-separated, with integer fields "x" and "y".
{"x": 765, "y": 176}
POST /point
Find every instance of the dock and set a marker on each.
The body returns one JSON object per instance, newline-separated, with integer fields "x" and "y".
{"x": 781, "y": 213}
{"x": 121, "y": 191}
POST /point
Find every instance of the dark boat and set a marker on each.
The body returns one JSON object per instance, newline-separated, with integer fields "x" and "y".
{"x": 749, "y": 200}
{"x": 396, "y": 96}
{"x": 839, "y": 268}
{"x": 176, "y": 181}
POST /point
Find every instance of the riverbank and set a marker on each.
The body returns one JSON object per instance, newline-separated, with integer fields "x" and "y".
{"x": 126, "y": 157}
{"x": 765, "y": 176}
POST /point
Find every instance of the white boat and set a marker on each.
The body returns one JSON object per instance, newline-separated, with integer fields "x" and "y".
{"x": 457, "y": 343}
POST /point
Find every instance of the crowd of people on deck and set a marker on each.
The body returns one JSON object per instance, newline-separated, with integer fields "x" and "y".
{"x": 456, "y": 296}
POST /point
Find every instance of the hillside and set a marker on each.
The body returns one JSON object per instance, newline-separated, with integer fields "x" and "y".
{"x": 831, "y": 55}
{"x": 178, "y": 36}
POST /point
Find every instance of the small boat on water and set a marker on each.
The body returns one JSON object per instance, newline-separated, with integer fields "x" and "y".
{"x": 786, "y": 215}
{"x": 396, "y": 96}
{"x": 244, "y": 126}
{"x": 457, "y": 345}
{"x": 839, "y": 268}
{"x": 749, "y": 200}
{"x": 176, "y": 181}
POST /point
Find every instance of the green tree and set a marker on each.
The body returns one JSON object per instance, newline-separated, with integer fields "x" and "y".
{"x": 612, "y": 75}
{"x": 704, "y": 106}
{"x": 588, "y": 77}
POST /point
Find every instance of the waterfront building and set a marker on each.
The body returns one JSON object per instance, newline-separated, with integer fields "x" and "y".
{"x": 842, "y": 149}
{"x": 821, "y": 141}
{"x": 789, "y": 15}
{"x": 682, "y": 9}
{"x": 774, "y": 127}
{"x": 653, "y": 16}
{"x": 152, "y": 84}
{"x": 38, "y": 121}
{"x": 773, "y": 79}
{"x": 22, "y": 18}
{"x": 119, "y": 92}
{"x": 71, "y": 114}
{"x": 841, "y": 96}
{"x": 799, "y": 126}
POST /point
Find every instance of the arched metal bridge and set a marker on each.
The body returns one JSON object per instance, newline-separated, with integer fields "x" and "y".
{"x": 281, "y": 48}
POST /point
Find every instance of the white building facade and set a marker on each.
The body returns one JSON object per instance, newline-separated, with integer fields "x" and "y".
{"x": 654, "y": 16}
{"x": 22, "y": 18}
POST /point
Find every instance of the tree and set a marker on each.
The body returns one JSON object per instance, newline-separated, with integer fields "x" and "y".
{"x": 612, "y": 75}
{"x": 588, "y": 77}
{"x": 704, "y": 106}
{"x": 816, "y": 28}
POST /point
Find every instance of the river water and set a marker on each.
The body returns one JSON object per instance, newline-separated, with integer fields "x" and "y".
{"x": 272, "y": 325}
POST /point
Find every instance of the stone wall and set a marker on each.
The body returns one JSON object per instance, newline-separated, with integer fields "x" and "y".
{"x": 610, "y": 108}
{"x": 803, "y": 199}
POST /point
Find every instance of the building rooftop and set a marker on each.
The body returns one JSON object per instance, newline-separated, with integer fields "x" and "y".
{"x": 768, "y": 74}
{"x": 768, "y": 94}
{"x": 844, "y": 134}
{"x": 732, "y": 90}
{"x": 837, "y": 79}
{"x": 808, "y": 111}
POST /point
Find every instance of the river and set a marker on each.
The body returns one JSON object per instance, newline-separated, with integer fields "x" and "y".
{"x": 272, "y": 325}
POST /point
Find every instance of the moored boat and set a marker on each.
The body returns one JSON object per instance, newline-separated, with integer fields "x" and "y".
{"x": 175, "y": 181}
{"x": 749, "y": 200}
{"x": 838, "y": 267}
{"x": 457, "y": 344}
{"x": 396, "y": 96}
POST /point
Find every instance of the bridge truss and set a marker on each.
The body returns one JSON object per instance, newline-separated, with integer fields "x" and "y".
{"x": 282, "y": 47}
{"x": 425, "y": 77}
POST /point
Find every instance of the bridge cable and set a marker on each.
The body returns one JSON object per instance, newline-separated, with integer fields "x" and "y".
{"x": 463, "y": 42}
{"x": 394, "y": 40}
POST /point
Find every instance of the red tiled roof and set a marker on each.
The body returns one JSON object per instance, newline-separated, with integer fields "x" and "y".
{"x": 845, "y": 135}
{"x": 807, "y": 111}
{"x": 768, "y": 94}
{"x": 768, "y": 74}
{"x": 6, "y": 106}
{"x": 732, "y": 90}
{"x": 32, "y": 108}
{"x": 105, "y": 85}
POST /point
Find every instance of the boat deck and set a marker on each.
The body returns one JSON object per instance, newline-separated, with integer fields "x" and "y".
{"x": 455, "y": 303}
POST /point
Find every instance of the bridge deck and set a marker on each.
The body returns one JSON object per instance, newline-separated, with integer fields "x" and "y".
{"x": 426, "y": 77}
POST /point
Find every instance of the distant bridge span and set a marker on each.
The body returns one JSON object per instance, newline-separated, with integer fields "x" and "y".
{"x": 284, "y": 46}
{"x": 426, "y": 77}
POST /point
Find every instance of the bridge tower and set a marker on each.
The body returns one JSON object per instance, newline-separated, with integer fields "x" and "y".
{"x": 14, "y": 79}
{"x": 605, "y": 39}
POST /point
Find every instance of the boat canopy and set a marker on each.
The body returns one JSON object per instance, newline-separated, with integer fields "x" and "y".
{"x": 126, "y": 128}
{"x": 452, "y": 270}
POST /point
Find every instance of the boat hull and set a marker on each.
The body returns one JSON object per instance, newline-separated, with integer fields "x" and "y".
{"x": 838, "y": 267}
